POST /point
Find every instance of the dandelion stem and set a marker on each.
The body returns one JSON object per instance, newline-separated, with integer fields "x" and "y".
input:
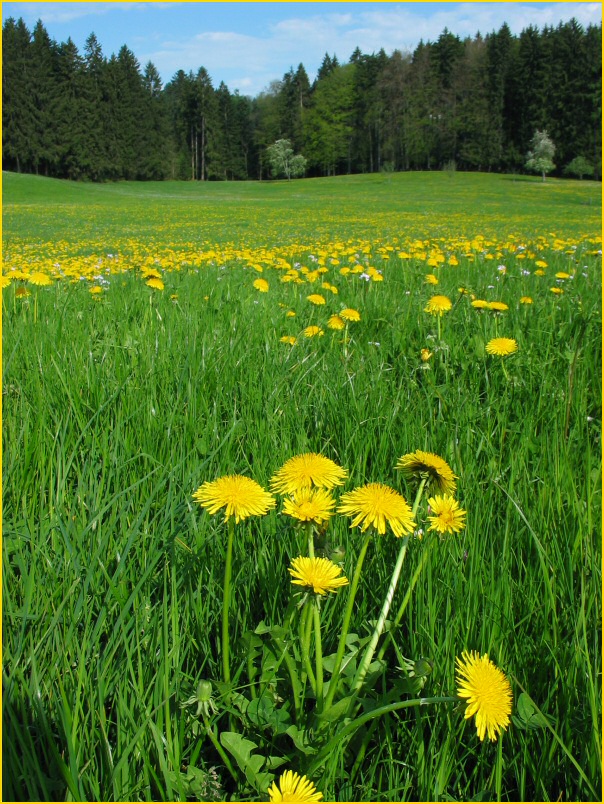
{"x": 304, "y": 634}
{"x": 219, "y": 748}
{"x": 346, "y": 622}
{"x": 318, "y": 656}
{"x": 438, "y": 317}
{"x": 379, "y": 626}
{"x": 226, "y": 602}
{"x": 311, "y": 539}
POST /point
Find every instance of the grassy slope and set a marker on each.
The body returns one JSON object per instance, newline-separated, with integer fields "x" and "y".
{"x": 115, "y": 412}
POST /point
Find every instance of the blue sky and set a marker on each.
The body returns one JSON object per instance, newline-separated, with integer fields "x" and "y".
{"x": 248, "y": 45}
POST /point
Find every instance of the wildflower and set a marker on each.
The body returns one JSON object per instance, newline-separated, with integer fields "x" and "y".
{"x": 498, "y": 306}
{"x": 539, "y": 272}
{"x": 174, "y": 297}
{"x": 526, "y": 300}
{"x": 261, "y": 285}
{"x": 426, "y": 354}
{"x": 305, "y": 471}
{"x": 151, "y": 273}
{"x": 501, "y": 346}
{"x": 541, "y": 264}
{"x": 239, "y": 496}
{"x": 290, "y": 339}
{"x": 316, "y": 298}
{"x": 95, "y": 290}
{"x": 480, "y": 304}
{"x": 488, "y": 692}
{"x": 438, "y": 305}
{"x": 562, "y": 275}
{"x": 4, "y": 281}
{"x": 557, "y": 290}
{"x": 310, "y": 332}
{"x": 310, "y": 505}
{"x": 290, "y": 314}
{"x": 377, "y": 505}
{"x": 39, "y": 278}
{"x": 419, "y": 464}
{"x": 349, "y": 314}
{"x": 431, "y": 279}
{"x": 155, "y": 283}
{"x": 293, "y": 787}
{"x": 320, "y": 574}
{"x": 447, "y": 517}
{"x": 22, "y": 293}
{"x": 335, "y": 322}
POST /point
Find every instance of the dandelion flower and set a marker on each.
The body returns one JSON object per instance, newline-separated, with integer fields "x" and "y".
{"x": 310, "y": 505}
{"x": 290, "y": 339}
{"x": 261, "y": 285}
{"x": 480, "y": 304}
{"x": 539, "y": 272}
{"x": 501, "y": 346}
{"x": 425, "y": 354}
{"x": 316, "y": 298}
{"x": 488, "y": 692}
{"x": 22, "y": 293}
{"x": 447, "y": 516}
{"x": 39, "y": 278}
{"x": 4, "y": 281}
{"x": 377, "y": 505}
{"x": 526, "y": 300}
{"x": 151, "y": 273}
{"x": 438, "y": 305}
{"x": 290, "y": 314}
{"x": 305, "y": 471}
{"x": 311, "y": 331}
{"x": 431, "y": 279}
{"x": 239, "y": 496}
{"x": 498, "y": 306}
{"x": 293, "y": 787}
{"x": 95, "y": 290}
{"x": 319, "y": 574}
{"x": 562, "y": 275}
{"x": 541, "y": 264}
{"x": 336, "y": 322}
{"x": 419, "y": 464}
{"x": 155, "y": 283}
{"x": 556, "y": 290}
{"x": 348, "y": 314}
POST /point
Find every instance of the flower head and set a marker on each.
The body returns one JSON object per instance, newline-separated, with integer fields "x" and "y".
{"x": 39, "y": 278}
{"x": 501, "y": 346}
{"x": 438, "y": 305}
{"x": 261, "y": 285}
{"x": 310, "y": 505}
{"x": 155, "y": 283}
{"x": 377, "y": 505}
{"x": 311, "y": 331}
{"x": 293, "y": 787}
{"x": 316, "y": 298}
{"x": 447, "y": 516}
{"x": 348, "y": 314}
{"x": 488, "y": 692}
{"x": 319, "y": 574}
{"x": 419, "y": 464}
{"x": 4, "y": 281}
{"x": 498, "y": 306}
{"x": 425, "y": 355}
{"x": 239, "y": 496}
{"x": 290, "y": 339}
{"x": 480, "y": 304}
{"x": 526, "y": 300}
{"x": 22, "y": 293}
{"x": 336, "y": 322}
{"x": 562, "y": 275}
{"x": 431, "y": 279}
{"x": 305, "y": 471}
{"x": 95, "y": 290}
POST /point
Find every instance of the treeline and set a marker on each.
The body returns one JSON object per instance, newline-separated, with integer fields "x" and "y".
{"x": 470, "y": 104}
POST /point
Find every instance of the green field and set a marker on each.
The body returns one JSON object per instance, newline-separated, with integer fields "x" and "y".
{"x": 120, "y": 399}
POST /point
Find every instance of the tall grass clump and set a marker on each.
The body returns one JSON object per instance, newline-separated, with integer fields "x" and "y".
{"x": 196, "y": 604}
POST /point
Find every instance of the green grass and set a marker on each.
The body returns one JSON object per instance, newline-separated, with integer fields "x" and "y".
{"x": 116, "y": 410}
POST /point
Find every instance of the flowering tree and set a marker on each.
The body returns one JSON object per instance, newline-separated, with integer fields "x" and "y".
{"x": 284, "y": 162}
{"x": 540, "y": 158}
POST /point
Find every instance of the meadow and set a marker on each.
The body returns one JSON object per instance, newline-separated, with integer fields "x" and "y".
{"x": 159, "y": 336}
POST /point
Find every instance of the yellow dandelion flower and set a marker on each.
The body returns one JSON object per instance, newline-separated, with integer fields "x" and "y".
{"x": 319, "y": 574}
{"x": 557, "y": 290}
{"x": 526, "y": 300}
{"x": 174, "y": 297}
{"x": 305, "y": 471}
{"x": 501, "y": 346}
{"x": 431, "y": 279}
{"x": 312, "y": 331}
{"x": 293, "y": 787}
{"x": 377, "y": 505}
{"x": 447, "y": 516}
{"x": 487, "y": 691}
{"x": 336, "y": 322}
{"x": 498, "y": 306}
{"x": 480, "y": 304}
{"x": 541, "y": 264}
{"x": 151, "y": 273}
{"x": 310, "y": 505}
{"x": 290, "y": 314}
{"x": 539, "y": 272}
{"x": 261, "y": 285}
{"x": 155, "y": 283}
{"x": 4, "y": 281}
{"x": 316, "y": 298}
{"x": 349, "y": 314}
{"x": 39, "y": 278}
{"x": 22, "y": 293}
{"x": 239, "y": 496}
{"x": 95, "y": 290}
{"x": 290, "y": 339}
{"x": 562, "y": 275}
{"x": 438, "y": 305}
{"x": 426, "y": 354}
{"x": 421, "y": 464}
